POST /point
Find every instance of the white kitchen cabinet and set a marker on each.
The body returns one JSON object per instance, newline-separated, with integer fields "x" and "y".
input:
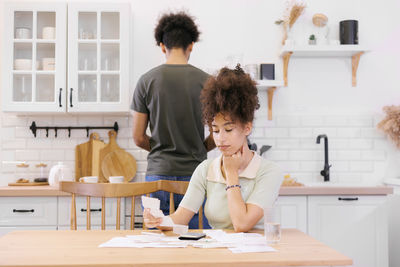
{"x": 34, "y": 59}
{"x": 291, "y": 212}
{"x": 354, "y": 225}
{"x": 27, "y": 213}
{"x": 64, "y": 212}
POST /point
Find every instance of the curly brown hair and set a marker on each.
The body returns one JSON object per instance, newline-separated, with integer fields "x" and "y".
{"x": 176, "y": 30}
{"x": 232, "y": 93}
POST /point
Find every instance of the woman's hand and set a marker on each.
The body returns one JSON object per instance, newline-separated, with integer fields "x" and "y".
{"x": 149, "y": 220}
{"x": 231, "y": 165}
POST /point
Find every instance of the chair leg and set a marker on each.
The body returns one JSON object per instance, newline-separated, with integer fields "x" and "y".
{"x": 171, "y": 203}
{"x": 201, "y": 218}
{"x": 118, "y": 212}
{"x": 103, "y": 213}
{"x": 88, "y": 213}
{"x": 73, "y": 213}
{"x": 133, "y": 213}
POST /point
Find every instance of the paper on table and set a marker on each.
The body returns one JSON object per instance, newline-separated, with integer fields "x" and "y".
{"x": 248, "y": 249}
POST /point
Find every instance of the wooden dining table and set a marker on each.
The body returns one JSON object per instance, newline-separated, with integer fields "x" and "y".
{"x": 81, "y": 248}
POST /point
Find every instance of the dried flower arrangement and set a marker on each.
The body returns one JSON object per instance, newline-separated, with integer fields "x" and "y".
{"x": 391, "y": 123}
{"x": 294, "y": 9}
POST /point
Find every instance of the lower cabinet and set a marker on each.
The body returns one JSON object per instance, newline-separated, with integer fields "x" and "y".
{"x": 291, "y": 212}
{"x": 23, "y": 213}
{"x": 354, "y": 225}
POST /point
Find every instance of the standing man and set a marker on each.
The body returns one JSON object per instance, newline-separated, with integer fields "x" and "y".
{"x": 168, "y": 98}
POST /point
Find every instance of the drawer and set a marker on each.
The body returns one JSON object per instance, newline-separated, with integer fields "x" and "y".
{"x": 64, "y": 211}
{"x": 20, "y": 211}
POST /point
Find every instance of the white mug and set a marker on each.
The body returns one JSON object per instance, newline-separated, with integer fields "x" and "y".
{"x": 89, "y": 179}
{"x": 116, "y": 179}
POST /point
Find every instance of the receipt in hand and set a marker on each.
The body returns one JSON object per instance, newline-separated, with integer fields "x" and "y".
{"x": 154, "y": 205}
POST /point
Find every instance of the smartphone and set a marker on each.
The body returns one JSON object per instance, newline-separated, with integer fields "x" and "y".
{"x": 192, "y": 236}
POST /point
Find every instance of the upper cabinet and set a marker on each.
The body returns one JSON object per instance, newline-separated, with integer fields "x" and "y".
{"x": 37, "y": 77}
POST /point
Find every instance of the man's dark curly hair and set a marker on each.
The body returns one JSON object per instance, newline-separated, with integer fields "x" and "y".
{"x": 232, "y": 93}
{"x": 176, "y": 30}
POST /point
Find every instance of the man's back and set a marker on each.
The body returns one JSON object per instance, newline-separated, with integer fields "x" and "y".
{"x": 169, "y": 94}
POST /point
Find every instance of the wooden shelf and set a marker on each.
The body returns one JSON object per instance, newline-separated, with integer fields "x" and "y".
{"x": 270, "y": 86}
{"x": 353, "y": 51}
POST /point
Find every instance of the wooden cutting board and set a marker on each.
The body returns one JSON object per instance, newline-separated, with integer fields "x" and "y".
{"x": 115, "y": 161}
{"x": 28, "y": 184}
{"x": 87, "y": 157}
{"x": 119, "y": 163}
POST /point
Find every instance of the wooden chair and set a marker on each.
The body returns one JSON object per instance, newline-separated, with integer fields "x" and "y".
{"x": 107, "y": 190}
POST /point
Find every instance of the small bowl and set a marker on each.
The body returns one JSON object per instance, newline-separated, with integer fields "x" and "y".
{"x": 23, "y": 64}
{"x": 116, "y": 179}
{"x": 22, "y": 33}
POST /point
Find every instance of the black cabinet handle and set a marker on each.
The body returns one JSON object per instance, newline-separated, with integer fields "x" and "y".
{"x": 91, "y": 210}
{"x": 348, "y": 198}
{"x": 70, "y": 97}
{"x": 59, "y": 98}
{"x": 15, "y": 210}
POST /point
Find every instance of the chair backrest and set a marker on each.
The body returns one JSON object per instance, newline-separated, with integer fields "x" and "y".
{"x": 107, "y": 190}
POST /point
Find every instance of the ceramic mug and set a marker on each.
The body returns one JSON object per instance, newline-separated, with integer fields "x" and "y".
{"x": 116, "y": 179}
{"x": 89, "y": 179}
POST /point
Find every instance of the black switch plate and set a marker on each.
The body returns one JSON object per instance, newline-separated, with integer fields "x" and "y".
{"x": 267, "y": 72}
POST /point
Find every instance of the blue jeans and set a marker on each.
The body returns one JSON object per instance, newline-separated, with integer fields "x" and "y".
{"x": 164, "y": 199}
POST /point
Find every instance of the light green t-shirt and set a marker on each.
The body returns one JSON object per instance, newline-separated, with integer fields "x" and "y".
{"x": 260, "y": 183}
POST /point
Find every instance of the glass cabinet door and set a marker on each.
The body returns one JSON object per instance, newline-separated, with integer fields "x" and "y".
{"x": 98, "y": 46}
{"x": 35, "y": 75}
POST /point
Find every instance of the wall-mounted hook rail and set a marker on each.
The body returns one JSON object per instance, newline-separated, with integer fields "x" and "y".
{"x": 34, "y": 128}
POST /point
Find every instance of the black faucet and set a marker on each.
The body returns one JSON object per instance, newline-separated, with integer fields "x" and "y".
{"x": 325, "y": 171}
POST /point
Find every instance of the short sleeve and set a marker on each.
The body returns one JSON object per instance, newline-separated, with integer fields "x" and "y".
{"x": 196, "y": 191}
{"x": 268, "y": 183}
{"x": 139, "y": 97}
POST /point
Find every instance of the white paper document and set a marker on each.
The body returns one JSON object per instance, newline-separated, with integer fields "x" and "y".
{"x": 236, "y": 242}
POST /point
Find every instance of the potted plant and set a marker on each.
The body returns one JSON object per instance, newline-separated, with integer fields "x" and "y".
{"x": 312, "y": 40}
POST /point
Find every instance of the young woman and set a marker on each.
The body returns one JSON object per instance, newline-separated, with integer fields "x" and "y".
{"x": 239, "y": 183}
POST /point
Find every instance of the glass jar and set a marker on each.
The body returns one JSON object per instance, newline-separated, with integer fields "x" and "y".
{"x": 41, "y": 172}
{"x": 22, "y": 173}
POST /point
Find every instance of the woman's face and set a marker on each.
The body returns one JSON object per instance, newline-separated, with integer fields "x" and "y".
{"x": 229, "y": 136}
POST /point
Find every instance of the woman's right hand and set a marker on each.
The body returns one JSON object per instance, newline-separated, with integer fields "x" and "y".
{"x": 149, "y": 220}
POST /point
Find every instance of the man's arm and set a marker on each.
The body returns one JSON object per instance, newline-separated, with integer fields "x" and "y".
{"x": 140, "y": 121}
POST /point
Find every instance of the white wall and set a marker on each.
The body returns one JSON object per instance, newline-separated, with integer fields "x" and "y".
{"x": 319, "y": 98}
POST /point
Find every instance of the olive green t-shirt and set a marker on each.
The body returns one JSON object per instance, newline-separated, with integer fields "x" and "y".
{"x": 170, "y": 95}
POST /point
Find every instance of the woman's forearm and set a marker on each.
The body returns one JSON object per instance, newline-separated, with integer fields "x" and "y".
{"x": 236, "y": 205}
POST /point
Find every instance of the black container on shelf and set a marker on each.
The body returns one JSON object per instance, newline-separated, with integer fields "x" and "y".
{"x": 267, "y": 72}
{"x": 348, "y": 32}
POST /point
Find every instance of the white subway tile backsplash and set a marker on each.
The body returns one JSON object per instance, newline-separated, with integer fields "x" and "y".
{"x": 300, "y": 133}
{"x": 26, "y": 155}
{"x": 330, "y": 132}
{"x": 335, "y": 121}
{"x": 362, "y": 121}
{"x": 52, "y": 155}
{"x": 14, "y": 144}
{"x": 312, "y": 121}
{"x": 257, "y": 132}
{"x": 361, "y": 166}
{"x": 357, "y": 150}
{"x": 360, "y": 144}
{"x": 349, "y": 132}
{"x": 276, "y": 132}
{"x": 287, "y": 121}
{"x": 287, "y": 143}
{"x": 13, "y": 121}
